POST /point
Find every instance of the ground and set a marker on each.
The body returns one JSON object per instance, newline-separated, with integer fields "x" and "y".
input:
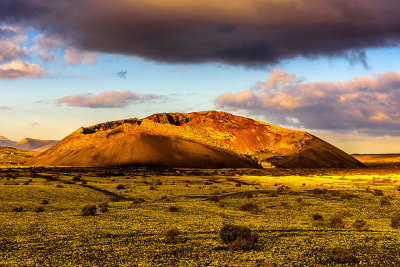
{"x": 282, "y": 207}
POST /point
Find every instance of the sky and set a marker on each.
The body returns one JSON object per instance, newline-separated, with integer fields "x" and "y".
{"x": 329, "y": 67}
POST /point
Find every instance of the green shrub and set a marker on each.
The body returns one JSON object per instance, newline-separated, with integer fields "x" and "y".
{"x": 39, "y": 209}
{"x": 238, "y": 237}
{"x": 251, "y": 207}
{"x": 317, "y": 217}
{"x": 172, "y": 235}
{"x": 395, "y": 220}
{"x": 89, "y": 210}
{"x": 174, "y": 209}
{"x": 360, "y": 224}
{"x": 104, "y": 207}
{"x": 336, "y": 221}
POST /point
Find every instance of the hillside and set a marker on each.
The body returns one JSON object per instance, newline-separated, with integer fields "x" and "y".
{"x": 30, "y": 144}
{"x": 5, "y": 142}
{"x": 11, "y": 156}
{"x": 207, "y": 139}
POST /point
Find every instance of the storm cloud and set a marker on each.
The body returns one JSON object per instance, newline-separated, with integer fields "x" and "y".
{"x": 369, "y": 105}
{"x": 245, "y": 32}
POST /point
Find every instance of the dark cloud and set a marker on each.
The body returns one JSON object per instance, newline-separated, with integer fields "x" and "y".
{"x": 369, "y": 105}
{"x": 248, "y": 32}
{"x": 110, "y": 99}
{"x": 122, "y": 74}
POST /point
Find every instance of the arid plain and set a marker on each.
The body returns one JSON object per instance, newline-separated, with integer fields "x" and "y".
{"x": 170, "y": 216}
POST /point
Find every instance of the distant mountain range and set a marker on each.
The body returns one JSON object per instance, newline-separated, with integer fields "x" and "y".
{"x": 27, "y": 144}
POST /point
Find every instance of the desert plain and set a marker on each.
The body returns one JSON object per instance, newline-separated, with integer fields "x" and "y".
{"x": 174, "y": 216}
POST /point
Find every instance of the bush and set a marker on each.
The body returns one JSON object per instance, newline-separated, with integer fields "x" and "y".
{"x": 317, "y": 217}
{"x": 395, "y": 220}
{"x": 120, "y": 187}
{"x": 360, "y": 224}
{"x": 104, "y": 207}
{"x": 39, "y": 209}
{"x": 341, "y": 255}
{"x": 238, "y": 237}
{"x": 89, "y": 210}
{"x": 45, "y": 202}
{"x": 137, "y": 200}
{"x": 252, "y": 207}
{"x": 174, "y": 209}
{"x": 377, "y": 192}
{"x": 152, "y": 188}
{"x": 385, "y": 201}
{"x": 172, "y": 235}
{"x": 318, "y": 191}
{"x": 336, "y": 222}
{"x": 18, "y": 209}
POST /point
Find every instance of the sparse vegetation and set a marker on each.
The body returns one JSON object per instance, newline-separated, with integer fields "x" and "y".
{"x": 238, "y": 237}
{"x": 172, "y": 235}
{"x": 104, "y": 207}
{"x": 293, "y": 227}
{"x": 89, "y": 210}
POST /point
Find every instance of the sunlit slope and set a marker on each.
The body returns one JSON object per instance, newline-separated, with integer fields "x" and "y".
{"x": 34, "y": 144}
{"x": 208, "y": 139}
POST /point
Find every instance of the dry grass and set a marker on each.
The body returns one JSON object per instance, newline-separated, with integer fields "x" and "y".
{"x": 296, "y": 226}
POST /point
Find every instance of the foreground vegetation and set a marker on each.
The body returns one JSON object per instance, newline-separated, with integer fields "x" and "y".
{"x": 139, "y": 216}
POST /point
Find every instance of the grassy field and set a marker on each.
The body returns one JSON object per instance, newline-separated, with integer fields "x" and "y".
{"x": 173, "y": 217}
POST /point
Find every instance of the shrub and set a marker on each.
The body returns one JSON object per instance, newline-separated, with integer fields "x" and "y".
{"x": 318, "y": 191}
{"x": 89, "y": 210}
{"x": 317, "y": 217}
{"x": 45, "y": 202}
{"x": 77, "y": 178}
{"x": 395, "y": 220}
{"x": 336, "y": 221}
{"x": 341, "y": 255}
{"x": 252, "y": 207}
{"x": 360, "y": 224}
{"x": 238, "y": 237}
{"x": 174, "y": 209}
{"x": 18, "y": 209}
{"x": 120, "y": 187}
{"x": 104, "y": 207}
{"x": 137, "y": 200}
{"x": 385, "y": 201}
{"x": 152, "y": 188}
{"x": 377, "y": 192}
{"x": 60, "y": 186}
{"x": 172, "y": 235}
{"x": 39, "y": 209}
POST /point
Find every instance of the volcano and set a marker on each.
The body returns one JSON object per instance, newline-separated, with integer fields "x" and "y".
{"x": 208, "y": 139}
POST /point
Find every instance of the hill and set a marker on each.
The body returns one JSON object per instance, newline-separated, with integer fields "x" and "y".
{"x": 11, "y": 156}
{"x": 30, "y": 144}
{"x": 207, "y": 139}
{"x": 5, "y": 142}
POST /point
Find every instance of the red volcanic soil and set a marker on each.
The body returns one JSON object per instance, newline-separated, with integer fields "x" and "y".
{"x": 207, "y": 139}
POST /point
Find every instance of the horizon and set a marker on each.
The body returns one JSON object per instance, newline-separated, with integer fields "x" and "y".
{"x": 61, "y": 72}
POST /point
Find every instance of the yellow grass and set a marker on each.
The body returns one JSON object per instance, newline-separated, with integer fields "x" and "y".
{"x": 134, "y": 234}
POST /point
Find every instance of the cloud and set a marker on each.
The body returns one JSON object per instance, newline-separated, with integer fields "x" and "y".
{"x": 20, "y": 69}
{"x": 4, "y": 107}
{"x": 33, "y": 125}
{"x": 247, "y": 32}
{"x": 176, "y": 70}
{"x": 122, "y": 74}
{"x": 370, "y": 105}
{"x": 110, "y": 99}
{"x": 11, "y": 41}
{"x": 75, "y": 56}
{"x": 44, "y": 44}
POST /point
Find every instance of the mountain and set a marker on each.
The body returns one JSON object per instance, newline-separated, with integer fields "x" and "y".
{"x": 29, "y": 144}
{"x": 5, "y": 142}
{"x": 208, "y": 139}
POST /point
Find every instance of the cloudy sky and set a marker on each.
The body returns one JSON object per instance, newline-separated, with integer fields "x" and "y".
{"x": 331, "y": 67}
